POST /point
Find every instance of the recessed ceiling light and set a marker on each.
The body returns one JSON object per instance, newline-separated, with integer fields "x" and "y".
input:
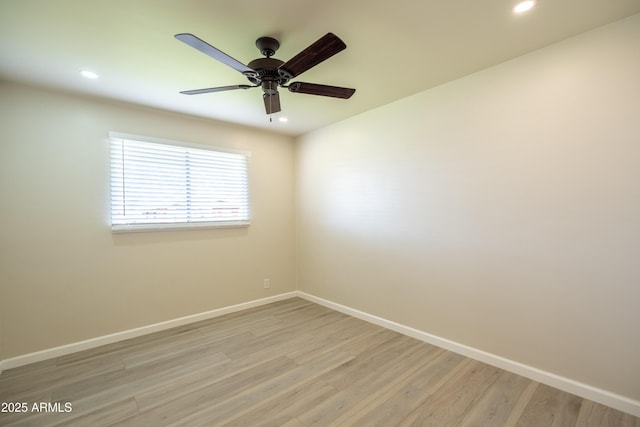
{"x": 89, "y": 74}
{"x": 524, "y": 6}
{"x": 283, "y": 119}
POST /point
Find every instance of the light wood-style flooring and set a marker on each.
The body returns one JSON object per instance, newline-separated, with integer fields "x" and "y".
{"x": 288, "y": 364}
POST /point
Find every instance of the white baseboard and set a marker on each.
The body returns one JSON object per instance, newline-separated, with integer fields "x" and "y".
{"x": 63, "y": 350}
{"x": 586, "y": 391}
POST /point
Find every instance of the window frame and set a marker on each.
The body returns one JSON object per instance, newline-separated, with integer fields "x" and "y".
{"x": 188, "y": 225}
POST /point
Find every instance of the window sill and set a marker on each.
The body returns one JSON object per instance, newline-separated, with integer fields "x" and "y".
{"x": 138, "y": 228}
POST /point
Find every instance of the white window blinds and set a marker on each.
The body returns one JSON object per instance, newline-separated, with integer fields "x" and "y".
{"x": 157, "y": 184}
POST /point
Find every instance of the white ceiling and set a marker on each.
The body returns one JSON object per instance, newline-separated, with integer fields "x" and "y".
{"x": 394, "y": 48}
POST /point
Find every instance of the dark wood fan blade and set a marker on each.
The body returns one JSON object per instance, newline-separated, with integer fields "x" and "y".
{"x": 322, "y": 90}
{"x": 217, "y": 54}
{"x": 322, "y": 49}
{"x": 215, "y": 89}
{"x": 271, "y": 103}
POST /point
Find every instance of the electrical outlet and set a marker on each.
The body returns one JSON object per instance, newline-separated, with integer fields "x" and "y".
{"x": 267, "y": 283}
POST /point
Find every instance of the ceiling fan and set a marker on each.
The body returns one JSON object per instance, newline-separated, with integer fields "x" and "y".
{"x": 270, "y": 73}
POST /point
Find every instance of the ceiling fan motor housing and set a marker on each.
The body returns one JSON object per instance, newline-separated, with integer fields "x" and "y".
{"x": 267, "y": 70}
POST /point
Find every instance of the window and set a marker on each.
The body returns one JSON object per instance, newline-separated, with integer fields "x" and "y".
{"x": 157, "y": 184}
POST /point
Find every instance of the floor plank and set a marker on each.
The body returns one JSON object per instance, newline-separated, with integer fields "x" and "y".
{"x": 550, "y": 407}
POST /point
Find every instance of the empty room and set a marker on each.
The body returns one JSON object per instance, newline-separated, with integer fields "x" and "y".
{"x": 335, "y": 213}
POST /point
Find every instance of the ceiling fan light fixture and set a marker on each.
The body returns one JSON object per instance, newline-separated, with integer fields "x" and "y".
{"x": 524, "y": 6}
{"x": 283, "y": 119}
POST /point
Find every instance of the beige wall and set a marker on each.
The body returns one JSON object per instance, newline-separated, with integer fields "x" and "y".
{"x": 500, "y": 211}
{"x": 65, "y": 277}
